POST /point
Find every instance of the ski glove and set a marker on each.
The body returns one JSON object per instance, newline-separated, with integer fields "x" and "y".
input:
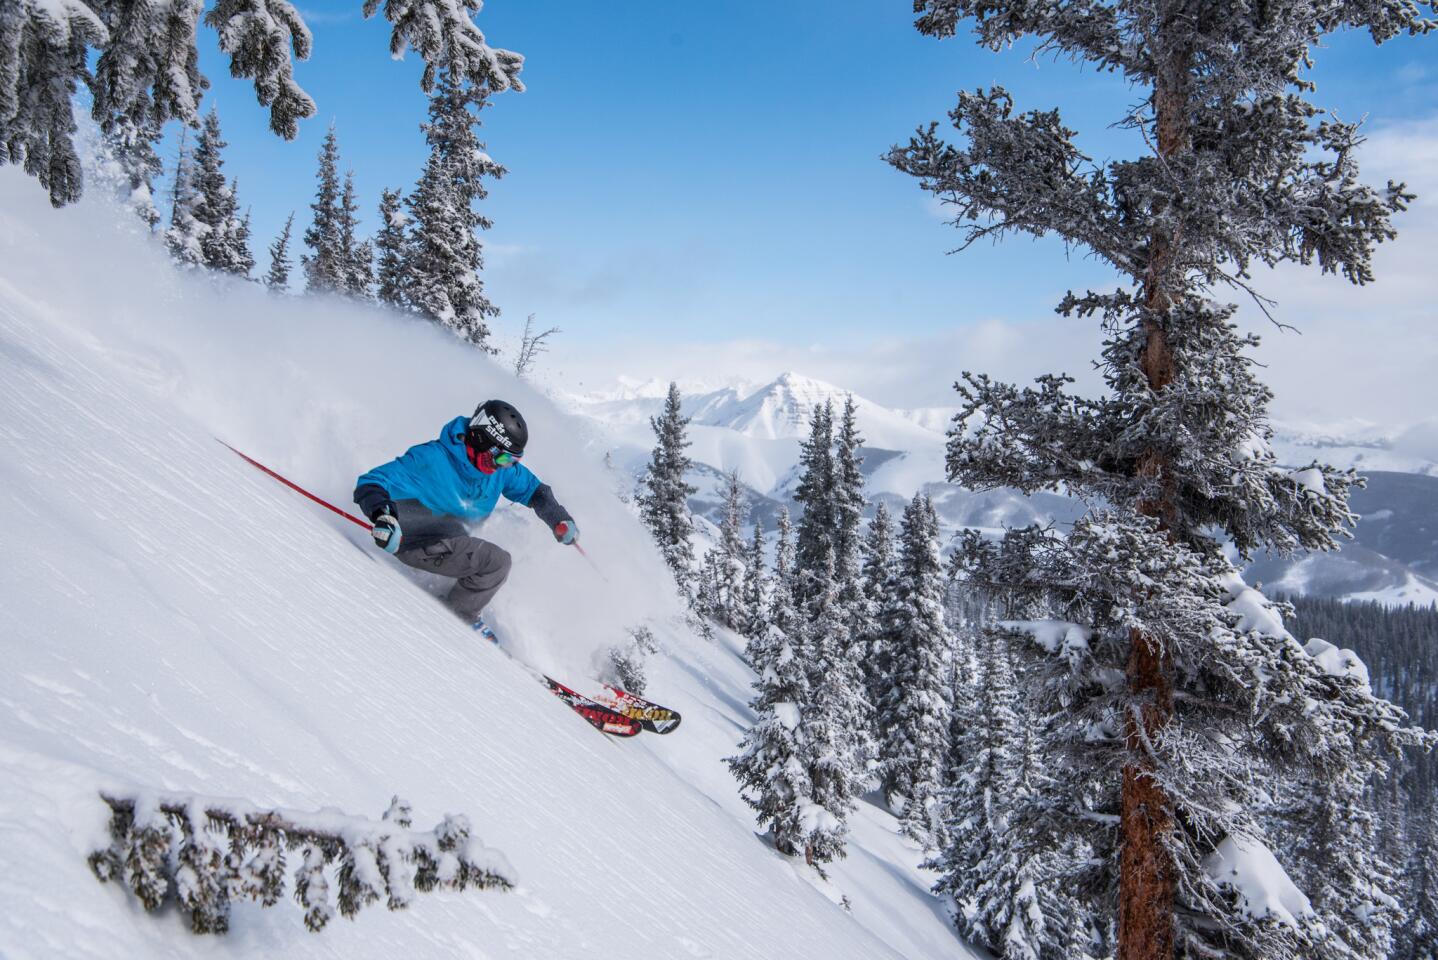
{"x": 385, "y": 531}
{"x": 566, "y": 532}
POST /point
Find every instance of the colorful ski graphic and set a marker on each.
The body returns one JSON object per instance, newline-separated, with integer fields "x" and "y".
{"x": 599, "y": 716}
{"x": 651, "y": 716}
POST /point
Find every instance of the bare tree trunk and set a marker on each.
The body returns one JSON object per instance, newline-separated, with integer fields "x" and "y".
{"x": 1147, "y": 873}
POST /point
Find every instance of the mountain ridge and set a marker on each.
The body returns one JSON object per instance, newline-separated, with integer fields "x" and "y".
{"x": 757, "y": 430}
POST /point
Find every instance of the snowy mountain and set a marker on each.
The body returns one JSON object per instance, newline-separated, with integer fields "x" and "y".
{"x": 781, "y": 410}
{"x": 1364, "y": 446}
{"x": 174, "y": 620}
{"x": 1393, "y": 557}
{"x": 757, "y": 430}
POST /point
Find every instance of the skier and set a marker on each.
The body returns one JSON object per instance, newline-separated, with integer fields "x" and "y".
{"x": 419, "y": 503}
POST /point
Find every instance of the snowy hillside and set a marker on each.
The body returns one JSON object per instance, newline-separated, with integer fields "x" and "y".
{"x": 1394, "y": 555}
{"x": 174, "y": 620}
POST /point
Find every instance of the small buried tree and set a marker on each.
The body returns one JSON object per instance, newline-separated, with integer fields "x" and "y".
{"x": 207, "y": 852}
{"x": 1191, "y": 695}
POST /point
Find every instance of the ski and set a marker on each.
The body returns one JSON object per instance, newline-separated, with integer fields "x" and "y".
{"x": 651, "y": 716}
{"x": 599, "y": 716}
{"x": 596, "y": 714}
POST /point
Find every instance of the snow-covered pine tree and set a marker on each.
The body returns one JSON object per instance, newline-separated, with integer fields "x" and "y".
{"x": 324, "y": 265}
{"x": 848, "y": 558}
{"x": 260, "y": 36}
{"x": 1397, "y": 836}
{"x": 147, "y": 74}
{"x": 828, "y": 597}
{"x": 1008, "y": 903}
{"x": 1267, "y": 718}
{"x": 1244, "y": 170}
{"x": 214, "y": 204}
{"x": 814, "y": 552}
{"x": 389, "y": 243}
{"x": 756, "y": 618}
{"x": 1347, "y": 882}
{"x": 912, "y": 714}
{"x": 771, "y": 770}
{"x": 1418, "y": 940}
{"x": 223, "y": 234}
{"x": 708, "y": 603}
{"x": 202, "y": 852}
{"x": 794, "y": 766}
{"x": 242, "y": 259}
{"x": 278, "y": 277}
{"x": 836, "y": 745}
{"x": 42, "y": 57}
{"x": 729, "y": 562}
{"x": 781, "y": 613}
{"x": 137, "y": 164}
{"x": 849, "y": 510}
{"x": 444, "y": 34}
{"x": 356, "y": 256}
{"x": 625, "y": 668}
{"x": 664, "y": 495}
{"x": 876, "y": 554}
{"x": 147, "y": 70}
{"x": 444, "y": 253}
{"x": 963, "y": 703}
{"x": 876, "y": 576}
{"x": 185, "y": 237}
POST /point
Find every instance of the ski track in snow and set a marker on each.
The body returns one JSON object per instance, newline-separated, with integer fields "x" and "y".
{"x": 174, "y": 620}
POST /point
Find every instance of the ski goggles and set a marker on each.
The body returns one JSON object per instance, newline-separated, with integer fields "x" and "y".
{"x": 500, "y": 458}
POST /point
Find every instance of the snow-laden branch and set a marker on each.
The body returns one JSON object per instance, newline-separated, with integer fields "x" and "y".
{"x": 207, "y": 852}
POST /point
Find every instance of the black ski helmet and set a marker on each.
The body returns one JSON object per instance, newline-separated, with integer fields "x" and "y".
{"x": 498, "y": 424}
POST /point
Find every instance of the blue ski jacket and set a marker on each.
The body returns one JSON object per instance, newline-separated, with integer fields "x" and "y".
{"x": 439, "y": 475}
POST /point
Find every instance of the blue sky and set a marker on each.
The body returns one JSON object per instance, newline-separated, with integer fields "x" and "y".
{"x": 688, "y": 174}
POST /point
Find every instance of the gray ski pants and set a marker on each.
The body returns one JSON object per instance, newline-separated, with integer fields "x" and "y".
{"x": 479, "y": 568}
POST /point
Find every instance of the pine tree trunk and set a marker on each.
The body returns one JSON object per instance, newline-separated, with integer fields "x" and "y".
{"x": 1146, "y": 869}
{"x": 1147, "y": 874}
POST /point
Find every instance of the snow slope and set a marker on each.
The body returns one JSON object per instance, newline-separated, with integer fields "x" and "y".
{"x": 172, "y": 619}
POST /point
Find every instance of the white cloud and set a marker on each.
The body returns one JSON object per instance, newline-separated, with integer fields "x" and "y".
{"x": 1370, "y": 351}
{"x": 1413, "y": 72}
{"x": 312, "y": 15}
{"x": 1359, "y": 353}
{"x": 897, "y": 371}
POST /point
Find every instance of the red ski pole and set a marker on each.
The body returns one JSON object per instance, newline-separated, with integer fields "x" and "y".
{"x": 296, "y": 487}
{"x": 583, "y": 553}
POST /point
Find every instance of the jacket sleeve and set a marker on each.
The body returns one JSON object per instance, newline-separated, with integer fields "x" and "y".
{"x": 369, "y": 496}
{"x": 548, "y": 508}
{"x": 518, "y": 484}
{"x": 525, "y": 489}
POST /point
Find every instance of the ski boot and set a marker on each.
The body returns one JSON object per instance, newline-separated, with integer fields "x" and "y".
{"x": 483, "y": 629}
